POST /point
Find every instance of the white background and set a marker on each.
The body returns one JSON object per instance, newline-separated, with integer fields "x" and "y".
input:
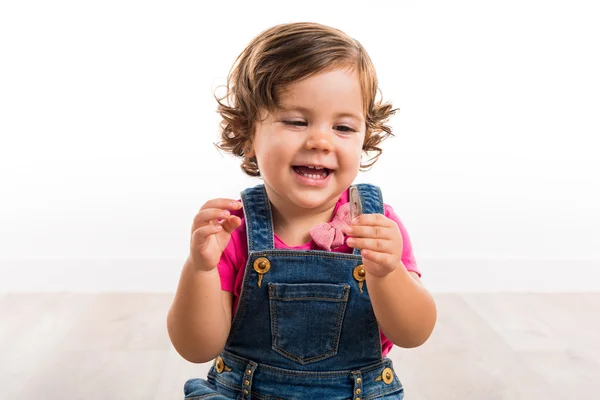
{"x": 107, "y": 123}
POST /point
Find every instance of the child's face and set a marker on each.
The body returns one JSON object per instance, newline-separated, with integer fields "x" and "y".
{"x": 321, "y": 124}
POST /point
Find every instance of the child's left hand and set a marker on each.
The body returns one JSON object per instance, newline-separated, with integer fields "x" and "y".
{"x": 380, "y": 241}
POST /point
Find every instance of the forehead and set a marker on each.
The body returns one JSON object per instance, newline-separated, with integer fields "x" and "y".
{"x": 338, "y": 87}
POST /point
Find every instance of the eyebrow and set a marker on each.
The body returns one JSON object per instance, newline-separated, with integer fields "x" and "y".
{"x": 308, "y": 111}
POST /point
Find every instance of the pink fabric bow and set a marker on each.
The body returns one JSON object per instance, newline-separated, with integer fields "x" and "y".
{"x": 329, "y": 235}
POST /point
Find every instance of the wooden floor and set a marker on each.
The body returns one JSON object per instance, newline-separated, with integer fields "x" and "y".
{"x": 485, "y": 346}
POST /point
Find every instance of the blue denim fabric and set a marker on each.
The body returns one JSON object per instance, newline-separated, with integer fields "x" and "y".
{"x": 308, "y": 330}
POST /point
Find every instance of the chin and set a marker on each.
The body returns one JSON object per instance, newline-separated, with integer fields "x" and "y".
{"x": 311, "y": 199}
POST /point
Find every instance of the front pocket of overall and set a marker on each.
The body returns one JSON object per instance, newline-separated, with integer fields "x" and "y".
{"x": 306, "y": 319}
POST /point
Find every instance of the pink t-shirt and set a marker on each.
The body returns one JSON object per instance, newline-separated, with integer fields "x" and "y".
{"x": 234, "y": 258}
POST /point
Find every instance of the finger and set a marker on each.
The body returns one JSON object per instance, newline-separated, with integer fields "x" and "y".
{"x": 229, "y": 224}
{"x": 224, "y": 204}
{"x": 206, "y": 216}
{"x": 384, "y": 246}
{"x": 378, "y": 257}
{"x": 365, "y": 231}
{"x": 371, "y": 219}
{"x": 199, "y": 235}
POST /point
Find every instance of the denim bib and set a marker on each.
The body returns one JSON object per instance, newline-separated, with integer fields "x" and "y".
{"x": 304, "y": 325}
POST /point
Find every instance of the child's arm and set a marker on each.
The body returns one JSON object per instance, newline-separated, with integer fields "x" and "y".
{"x": 404, "y": 309}
{"x": 200, "y": 316}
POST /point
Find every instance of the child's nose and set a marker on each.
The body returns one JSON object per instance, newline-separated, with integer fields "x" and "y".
{"x": 319, "y": 140}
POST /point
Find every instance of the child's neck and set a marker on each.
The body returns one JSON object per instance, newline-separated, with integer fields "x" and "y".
{"x": 293, "y": 226}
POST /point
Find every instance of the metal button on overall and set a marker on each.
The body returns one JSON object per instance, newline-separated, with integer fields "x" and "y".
{"x": 388, "y": 376}
{"x": 359, "y": 274}
{"x": 262, "y": 266}
{"x": 219, "y": 365}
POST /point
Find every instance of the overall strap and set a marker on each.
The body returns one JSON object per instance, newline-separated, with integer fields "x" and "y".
{"x": 259, "y": 223}
{"x": 371, "y": 200}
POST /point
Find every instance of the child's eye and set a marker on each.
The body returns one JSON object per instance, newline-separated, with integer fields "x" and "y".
{"x": 295, "y": 123}
{"x": 346, "y": 129}
{"x": 341, "y": 128}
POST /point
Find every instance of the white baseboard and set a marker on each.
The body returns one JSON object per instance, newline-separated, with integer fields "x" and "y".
{"x": 162, "y": 275}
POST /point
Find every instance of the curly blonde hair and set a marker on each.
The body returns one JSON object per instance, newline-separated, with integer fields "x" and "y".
{"x": 285, "y": 54}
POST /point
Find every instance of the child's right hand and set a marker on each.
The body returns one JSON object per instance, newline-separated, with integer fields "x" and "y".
{"x": 209, "y": 236}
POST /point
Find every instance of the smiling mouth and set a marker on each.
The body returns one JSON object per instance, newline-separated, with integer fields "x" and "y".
{"x": 312, "y": 172}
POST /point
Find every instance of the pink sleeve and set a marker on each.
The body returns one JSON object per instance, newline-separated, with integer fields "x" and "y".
{"x": 226, "y": 266}
{"x": 229, "y": 264}
{"x": 408, "y": 258}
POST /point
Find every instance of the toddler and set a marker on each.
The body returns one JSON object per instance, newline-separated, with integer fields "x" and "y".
{"x": 300, "y": 289}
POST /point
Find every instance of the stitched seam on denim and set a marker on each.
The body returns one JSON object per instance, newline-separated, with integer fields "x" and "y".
{"x": 310, "y": 298}
{"x": 228, "y": 385}
{"x": 261, "y": 396}
{"x": 270, "y": 239}
{"x": 322, "y": 374}
{"x": 305, "y": 253}
{"x": 340, "y": 320}
{"x": 238, "y": 390}
{"x": 304, "y": 361}
{"x": 273, "y": 309}
{"x": 342, "y": 286}
{"x": 236, "y": 359}
{"x": 379, "y": 366}
{"x": 383, "y": 392}
{"x": 366, "y": 395}
{"x": 266, "y": 396}
{"x": 203, "y": 396}
{"x": 306, "y": 374}
{"x": 249, "y": 230}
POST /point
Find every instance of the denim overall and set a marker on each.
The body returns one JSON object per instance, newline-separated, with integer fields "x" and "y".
{"x": 304, "y": 327}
